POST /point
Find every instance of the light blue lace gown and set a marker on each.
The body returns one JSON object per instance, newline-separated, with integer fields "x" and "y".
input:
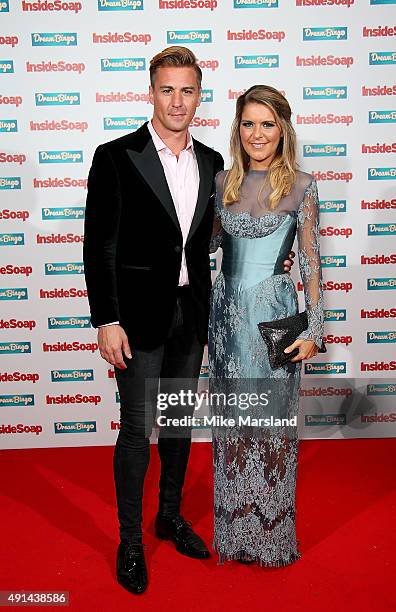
{"x": 255, "y": 475}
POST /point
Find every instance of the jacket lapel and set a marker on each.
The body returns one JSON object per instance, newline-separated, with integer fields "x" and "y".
{"x": 205, "y": 167}
{"x": 148, "y": 164}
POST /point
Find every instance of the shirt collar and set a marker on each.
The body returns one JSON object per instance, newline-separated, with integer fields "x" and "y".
{"x": 160, "y": 145}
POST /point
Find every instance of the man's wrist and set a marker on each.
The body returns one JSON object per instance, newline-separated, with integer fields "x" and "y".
{"x": 107, "y": 324}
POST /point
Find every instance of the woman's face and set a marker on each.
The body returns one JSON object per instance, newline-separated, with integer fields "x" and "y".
{"x": 260, "y": 134}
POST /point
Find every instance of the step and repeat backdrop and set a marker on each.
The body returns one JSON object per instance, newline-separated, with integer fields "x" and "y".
{"x": 75, "y": 74}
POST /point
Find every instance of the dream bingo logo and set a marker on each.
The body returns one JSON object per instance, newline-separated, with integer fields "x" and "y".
{"x": 255, "y": 4}
{"x": 72, "y": 375}
{"x": 8, "y": 125}
{"x": 338, "y": 314}
{"x": 15, "y": 239}
{"x": 332, "y": 368}
{"x": 325, "y": 92}
{"x": 381, "y": 284}
{"x": 70, "y": 322}
{"x": 381, "y": 174}
{"x": 325, "y": 150}
{"x": 6, "y": 66}
{"x": 123, "y": 123}
{"x": 64, "y": 212}
{"x": 16, "y": 400}
{"x": 333, "y": 261}
{"x": 381, "y": 337}
{"x": 329, "y": 206}
{"x": 382, "y": 116}
{"x": 14, "y": 293}
{"x": 325, "y": 33}
{"x": 120, "y": 5}
{"x": 111, "y": 64}
{"x": 63, "y": 98}
{"x": 382, "y": 58}
{"x": 4, "y": 6}
{"x": 324, "y": 419}
{"x": 180, "y": 37}
{"x": 381, "y": 389}
{"x": 75, "y": 427}
{"x": 67, "y": 267}
{"x": 60, "y": 157}
{"x": 256, "y": 61}
{"x": 381, "y": 229}
{"x": 15, "y": 348}
{"x": 54, "y": 39}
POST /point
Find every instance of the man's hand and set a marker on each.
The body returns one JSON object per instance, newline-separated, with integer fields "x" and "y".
{"x": 113, "y": 345}
{"x": 306, "y": 349}
{"x": 287, "y": 264}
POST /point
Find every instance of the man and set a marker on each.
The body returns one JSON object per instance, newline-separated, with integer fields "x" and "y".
{"x": 149, "y": 218}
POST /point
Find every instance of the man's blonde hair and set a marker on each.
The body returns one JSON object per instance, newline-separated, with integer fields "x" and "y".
{"x": 179, "y": 57}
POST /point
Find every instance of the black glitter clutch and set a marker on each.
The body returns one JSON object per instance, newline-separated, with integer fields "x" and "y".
{"x": 280, "y": 334}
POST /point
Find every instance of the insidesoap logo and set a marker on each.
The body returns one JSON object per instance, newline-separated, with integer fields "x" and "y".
{"x": 63, "y": 98}
{"x": 381, "y": 337}
{"x": 331, "y": 367}
{"x": 54, "y": 39}
{"x": 256, "y": 61}
{"x": 123, "y": 123}
{"x": 72, "y": 375}
{"x": 6, "y": 66}
{"x": 188, "y": 36}
{"x": 188, "y": 4}
{"x": 55, "y": 5}
{"x": 67, "y": 267}
{"x": 74, "y": 212}
{"x": 325, "y": 93}
{"x": 16, "y": 400}
{"x": 337, "y": 206}
{"x": 4, "y": 6}
{"x": 111, "y": 64}
{"x": 381, "y": 174}
{"x": 15, "y": 348}
{"x": 332, "y": 314}
{"x": 10, "y": 182}
{"x": 60, "y": 157}
{"x": 379, "y": 90}
{"x": 385, "y": 116}
{"x": 120, "y": 5}
{"x": 13, "y": 293}
{"x": 12, "y": 239}
{"x": 74, "y": 427}
{"x": 333, "y": 261}
{"x": 379, "y": 148}
{"x": 324, "y": 419}
{"x": 382, "y": 58}
{"x": 379, "y": 284}
{"x": 325, "y": 150}
{"x": 246, "y": 4}
{"x": 381, "y": 389}
{"x": 325, "y": 33}
{"x": 381, "y": 229}
{"x": 8, "y": 125}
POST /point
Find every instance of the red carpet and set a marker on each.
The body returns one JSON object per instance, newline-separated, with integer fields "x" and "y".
{"x": 58, "y": 532}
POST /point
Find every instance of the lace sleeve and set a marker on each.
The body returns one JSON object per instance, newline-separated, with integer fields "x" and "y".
{"x": 309, "y": 258}
{"x": 217, "y": 231}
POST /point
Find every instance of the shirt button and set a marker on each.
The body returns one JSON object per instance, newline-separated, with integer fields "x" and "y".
{"x": 178, "y": 249}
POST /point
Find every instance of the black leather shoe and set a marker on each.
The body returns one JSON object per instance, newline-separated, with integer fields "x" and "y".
{"x": 180, "y": 532}
{"x": 131, "y": 567}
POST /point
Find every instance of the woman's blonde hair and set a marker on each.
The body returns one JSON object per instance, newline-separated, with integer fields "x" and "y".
{"x": 282, "y": 170}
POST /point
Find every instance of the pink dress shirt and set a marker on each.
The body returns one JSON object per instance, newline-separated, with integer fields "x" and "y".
{"x": 182, "y": 176}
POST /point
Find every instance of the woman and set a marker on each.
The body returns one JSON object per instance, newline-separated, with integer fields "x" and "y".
{"x": 261, "y": 203}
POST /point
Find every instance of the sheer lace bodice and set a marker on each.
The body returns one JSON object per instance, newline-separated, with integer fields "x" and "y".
{"x": 252, "y": 217}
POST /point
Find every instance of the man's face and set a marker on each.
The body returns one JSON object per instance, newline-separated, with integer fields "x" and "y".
{"x": 175, "y": 97}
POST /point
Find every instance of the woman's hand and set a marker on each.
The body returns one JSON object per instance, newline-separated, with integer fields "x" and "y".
{"x": 306, "y": 349}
